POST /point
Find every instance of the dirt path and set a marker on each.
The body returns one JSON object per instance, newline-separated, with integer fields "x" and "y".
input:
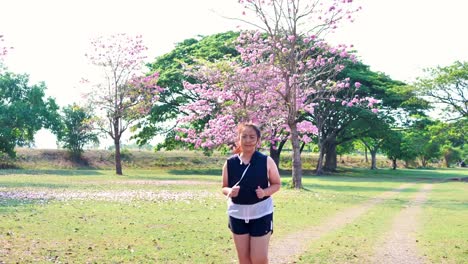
{"x": 400, "y": 244}
{"x": 292, "y": 246}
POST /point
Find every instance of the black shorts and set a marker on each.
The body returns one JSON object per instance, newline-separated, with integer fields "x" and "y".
{"x": 255, "y": 227}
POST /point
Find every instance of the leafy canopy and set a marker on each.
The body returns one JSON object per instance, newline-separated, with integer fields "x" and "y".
{"x": 23, "y": 111}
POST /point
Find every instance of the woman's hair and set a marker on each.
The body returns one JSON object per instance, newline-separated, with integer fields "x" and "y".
{"x": 240, "y": 128}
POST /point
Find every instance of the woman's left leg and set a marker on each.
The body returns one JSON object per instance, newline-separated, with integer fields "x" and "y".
{"x": 259, "y": 249}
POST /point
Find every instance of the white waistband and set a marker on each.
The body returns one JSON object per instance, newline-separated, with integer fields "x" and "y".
{"x": 250, "y": 211}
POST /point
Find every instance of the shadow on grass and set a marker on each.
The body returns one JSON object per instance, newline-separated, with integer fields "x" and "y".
{"x": 34, "y": 185}
{"x": 354, "y": 189}
{"x": 400, "y": 175}
{"x": 201, "y": 172}
{"x": 11, "y": 205}
{"x": 58, "y": 172}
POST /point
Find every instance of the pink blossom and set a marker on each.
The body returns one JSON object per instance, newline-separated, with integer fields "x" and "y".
{"x": 260, "y": 86}
{"x": 357, "y": 85}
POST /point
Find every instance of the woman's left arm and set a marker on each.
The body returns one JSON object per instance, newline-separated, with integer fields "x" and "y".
{"x": 273, "y": 178}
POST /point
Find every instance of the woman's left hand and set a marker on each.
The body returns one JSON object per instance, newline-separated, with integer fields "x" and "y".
{"x": 260, "y": 192}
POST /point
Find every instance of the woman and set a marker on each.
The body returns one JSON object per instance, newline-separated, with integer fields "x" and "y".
{"x": 249, "y": 180}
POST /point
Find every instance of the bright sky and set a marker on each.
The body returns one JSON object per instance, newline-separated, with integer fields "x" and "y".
{"x": 50, "y": 37}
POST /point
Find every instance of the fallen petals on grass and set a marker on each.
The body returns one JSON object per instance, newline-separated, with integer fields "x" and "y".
{"x": 114, "y": 195}
{"x": 151, "y": 182}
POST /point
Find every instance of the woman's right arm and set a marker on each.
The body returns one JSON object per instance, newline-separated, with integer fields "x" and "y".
{"x": 231, "y": 192}
{"x": 226, "y": 188}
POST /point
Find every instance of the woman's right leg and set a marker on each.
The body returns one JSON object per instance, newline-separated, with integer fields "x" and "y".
{"x": 243, "y": 248}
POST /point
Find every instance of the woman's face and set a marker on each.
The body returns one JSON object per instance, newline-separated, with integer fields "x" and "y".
{"x": 248, "y": 139}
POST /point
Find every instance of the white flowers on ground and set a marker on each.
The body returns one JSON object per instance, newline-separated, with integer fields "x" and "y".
{"x": 111, "y": 195}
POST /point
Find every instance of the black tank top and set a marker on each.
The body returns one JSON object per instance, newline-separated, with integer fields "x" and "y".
{"x": 255, "y": 176}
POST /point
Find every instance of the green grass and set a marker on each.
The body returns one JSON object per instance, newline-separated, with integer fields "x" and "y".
{"x": 355, "y": 243}
{"x": 444, "y": 229}
{"x": 86, "y": 231}
{"x": 193, "y": 229}
{"x": 445, "y": 224}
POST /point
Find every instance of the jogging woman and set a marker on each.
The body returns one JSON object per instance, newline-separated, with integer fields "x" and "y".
{"x": 250, "y": 178}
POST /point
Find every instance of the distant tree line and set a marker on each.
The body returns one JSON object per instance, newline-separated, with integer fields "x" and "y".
{"x": 394, "y": 122}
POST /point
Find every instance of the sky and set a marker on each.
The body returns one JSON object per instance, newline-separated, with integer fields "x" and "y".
{"x": 50, "y": 37}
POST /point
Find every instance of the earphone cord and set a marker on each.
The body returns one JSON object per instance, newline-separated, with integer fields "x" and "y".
{"x": 237, "y": 183}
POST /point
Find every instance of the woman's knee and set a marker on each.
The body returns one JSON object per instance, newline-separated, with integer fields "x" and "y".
{"x": 259, "y": 259}
{"x": 244, "y": 257}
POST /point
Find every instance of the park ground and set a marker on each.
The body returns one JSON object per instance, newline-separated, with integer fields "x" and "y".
{"x": 172, "y": 211}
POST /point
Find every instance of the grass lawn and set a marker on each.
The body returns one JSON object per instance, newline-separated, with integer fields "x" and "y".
{"x": 177, "y": 216}
{"x": 355, "y": 243}
{"x": 445, "y": 224}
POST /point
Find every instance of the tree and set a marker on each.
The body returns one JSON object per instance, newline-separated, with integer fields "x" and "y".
{"x": 420, "y": 143}
{"x": 291, "y": 63}
{"x": 336, "y": 121}
{"x": 451, "y": 154}
{"x": 171, "y": 67}
{"x": 78, "y": 129}
{"x": 451, "y": 138}
{"x": 396, "y": 100}
{"x": 227, "y": 94}
{"x": 124, "y": 96}
{"x": 24, "y": 110}
{"x": 447, "y": 86}
{"x": 375, "y": 137}
{"x": 392, "y": 147}
{"x": 3, "y": 52}
{"x": 302, "y": 61}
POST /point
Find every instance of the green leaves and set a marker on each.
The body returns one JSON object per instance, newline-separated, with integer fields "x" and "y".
{"x": 171, "y": 67}
{"x": 23, "y": 111}
{"x": 77, "y": 129}
{"x": 448, "y": 87}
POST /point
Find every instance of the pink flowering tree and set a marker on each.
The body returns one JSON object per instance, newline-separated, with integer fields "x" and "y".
{"x": 3, "y": 51}
{"x": 293, "y": 46}
{"x": 227, "y": 94}
{"x": 293, "y": 71}
{"x": 123, "y": 95}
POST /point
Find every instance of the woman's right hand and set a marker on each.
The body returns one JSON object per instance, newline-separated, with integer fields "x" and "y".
{"x": 235, "y": 191}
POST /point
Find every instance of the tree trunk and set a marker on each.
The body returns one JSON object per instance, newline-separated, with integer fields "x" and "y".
{"x": 319, "y": 169}
{"x": 394, "y": 164}
{"x": 373, "y": 159}
{"x": 297, "y": 163}
{"x": 446, "y": 160}
{"x": 330, "y": 156}
{"x": 275, "y": 155}
{"x": 118, "y": 159}
{"x": 302, "y": 146}
{"x": 365, "y": 154}
{"x": 424, "y": 162}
